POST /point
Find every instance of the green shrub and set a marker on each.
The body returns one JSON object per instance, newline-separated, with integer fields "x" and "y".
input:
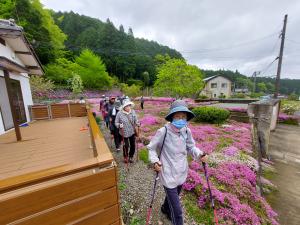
{"x": 239, "y": 95}
{"x": 211, "y": 114}
{"x": 144, "y": 155}
{"x": 290, "y": 121}
{"x": 256, "y": 95}
{"x": 98, "y": 119}
{"x": 293, "y": 97}
{"x": 222, "y": 96}
{"x": 203, "y": 97}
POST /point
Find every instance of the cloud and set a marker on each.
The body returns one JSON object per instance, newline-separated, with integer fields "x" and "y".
{"x": 231, "y": 34}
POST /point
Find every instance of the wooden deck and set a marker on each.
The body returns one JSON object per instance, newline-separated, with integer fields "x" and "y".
{"x": 46, "y": 144}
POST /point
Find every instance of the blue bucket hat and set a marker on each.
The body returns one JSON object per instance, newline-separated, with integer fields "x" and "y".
{"x": 179, "y": 106}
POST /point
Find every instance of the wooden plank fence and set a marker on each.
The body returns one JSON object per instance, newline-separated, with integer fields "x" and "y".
{"x": 54, "y": 111}
{"x": 80, "y": 193}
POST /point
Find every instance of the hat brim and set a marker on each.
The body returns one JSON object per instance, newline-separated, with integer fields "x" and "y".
{"x": 127, "y": 104}
{"x": 190, "y": 114}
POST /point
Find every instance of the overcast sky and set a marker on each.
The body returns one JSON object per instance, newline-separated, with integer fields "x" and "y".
{"x": 223, "y": 34}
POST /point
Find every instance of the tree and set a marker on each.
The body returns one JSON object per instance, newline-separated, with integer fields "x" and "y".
{"x": 262, "y": 87}
{"x": 270, "y": 87}
{"x": 130, "y": 32}
{"x": 40, "y": 86}
{"x": 92, "y": 71}
{"x": 77, "y": 86}
{"x": 132, "y": 91}
{"x": 121, "y": 29}
{"x": 60, "y": 71}
{"x": 178, "y": 79}
{"x": 146, "y": 78}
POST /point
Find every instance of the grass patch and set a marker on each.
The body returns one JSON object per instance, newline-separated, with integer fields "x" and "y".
{"x": 200, "y": 216}
{"x": 144, "y": 155}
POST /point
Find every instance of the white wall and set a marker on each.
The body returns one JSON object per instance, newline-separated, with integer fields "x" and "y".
{"x": 7, "y": 52}
{"x": 216, "y": 92}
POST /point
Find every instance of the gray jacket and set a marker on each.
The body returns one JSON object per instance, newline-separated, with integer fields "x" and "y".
{"x": 174, "y": 154}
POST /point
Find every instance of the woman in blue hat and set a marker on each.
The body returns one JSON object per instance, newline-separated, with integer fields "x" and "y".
{"x": 176, "y": 142}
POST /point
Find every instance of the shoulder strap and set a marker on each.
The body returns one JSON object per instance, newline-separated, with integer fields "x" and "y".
{"x": 162, "y": 146}
{"x": 130, "y": 120}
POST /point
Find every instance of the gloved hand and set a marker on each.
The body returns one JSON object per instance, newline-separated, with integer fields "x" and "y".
{"x": 121, "y": 125}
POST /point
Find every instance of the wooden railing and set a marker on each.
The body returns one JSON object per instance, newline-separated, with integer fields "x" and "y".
{"x": 54, "y": 111}
{"x": 79, "y": 193}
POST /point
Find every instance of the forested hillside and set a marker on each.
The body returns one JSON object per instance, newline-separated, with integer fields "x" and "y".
{"x": 124, "y": 55}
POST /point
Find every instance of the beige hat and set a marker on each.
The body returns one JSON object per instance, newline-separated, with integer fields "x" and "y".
{"x": 126, "y": 103}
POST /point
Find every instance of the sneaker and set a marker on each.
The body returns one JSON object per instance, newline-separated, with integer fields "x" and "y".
{"x": 118, "y": 149}
{"x": 130, "y": 160}
{"x": 165, "y": 212}
{"x": 125, "y": 160}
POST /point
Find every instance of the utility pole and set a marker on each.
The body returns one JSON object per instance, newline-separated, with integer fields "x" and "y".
{"x": 254, "y": 80}
{"x": 280, "y": 57}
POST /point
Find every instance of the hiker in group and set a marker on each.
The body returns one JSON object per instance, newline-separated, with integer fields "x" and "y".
{"x": 114, "y": 131}
{"x": 142, "y": 102}
{"x": 128, "y": 123}
{"x": 105, "y": 111}
{"x": 176, "y": 142}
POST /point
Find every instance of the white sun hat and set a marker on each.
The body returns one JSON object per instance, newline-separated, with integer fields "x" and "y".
{"x": 126, "y": 103}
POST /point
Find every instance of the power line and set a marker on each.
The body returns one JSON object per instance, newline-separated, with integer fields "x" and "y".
{"x": 229, "y": 47}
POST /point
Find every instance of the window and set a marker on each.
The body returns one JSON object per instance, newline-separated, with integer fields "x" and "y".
{"x": 213, "y": 85}
{"x": 215, "y": 95}
{"x": 224, "y": 85}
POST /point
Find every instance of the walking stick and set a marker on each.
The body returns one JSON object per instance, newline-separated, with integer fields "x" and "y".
{"x": 124, "y": 150}
{"x": 137, "y": 144}
{"x": 210, "y": 194}
{"x": 149, "y": 211}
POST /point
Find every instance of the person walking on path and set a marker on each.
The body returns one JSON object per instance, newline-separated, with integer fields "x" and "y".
{"x": 175, "y": 141}
{"x": 142, "y": 102}
{"x": 105, "y": 111}
{"x": 113, "y": 129}
{"x": 128, "y": 122}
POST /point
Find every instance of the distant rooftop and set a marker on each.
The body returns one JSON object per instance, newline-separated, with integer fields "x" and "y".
{"x": 212, "y": 77}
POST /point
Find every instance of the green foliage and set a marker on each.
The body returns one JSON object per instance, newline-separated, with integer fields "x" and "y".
{"x": 92, "y": 71}
{"x": 59, "y": 71}
{"x": 194, "y": 212}
{"x": 222, "y": 96}
{"x": 238, "y": 95}
{"x": 211, "y": 114}
{"x": 39, "y": 85}
{"x": 76, "y": 84}
{"x": 293, "y": 97}
{"x": 178, "y": 79}
{"x": 134, "y": 81}
{"x": 203, "y": 97}
{"x": 256, "y": 95}
{"x": 290, "y": 121}
{"x": 290, "y": 107}
{"x": 146, "y": 78}
{"x": 98, "y": 119}
{"x": 132, "y": 91}
{"x": 45, "y": 36}
{"x": 56, "y": 35}
{"x": 262, "y": 87}
{"x": 124, "y": 55}
{"x": 144, "y": 155}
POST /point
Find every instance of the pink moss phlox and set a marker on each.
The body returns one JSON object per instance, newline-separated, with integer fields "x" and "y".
{"x": 230, "y": 151}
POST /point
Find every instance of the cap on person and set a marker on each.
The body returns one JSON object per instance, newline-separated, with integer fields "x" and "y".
{"x": 179, "y": 106}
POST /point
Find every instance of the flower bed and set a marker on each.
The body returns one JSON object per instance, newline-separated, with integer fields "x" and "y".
{"x": 231, "y": 167}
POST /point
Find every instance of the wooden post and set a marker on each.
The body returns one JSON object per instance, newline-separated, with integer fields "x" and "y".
{"x": 12, "y": 108}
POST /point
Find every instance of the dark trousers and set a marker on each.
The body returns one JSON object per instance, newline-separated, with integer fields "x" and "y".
{"x": 129, "y": 143}
{"x": 172, "y": 205}
{"x": 117, "y": 137}
{"x": 142, "y": 105}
